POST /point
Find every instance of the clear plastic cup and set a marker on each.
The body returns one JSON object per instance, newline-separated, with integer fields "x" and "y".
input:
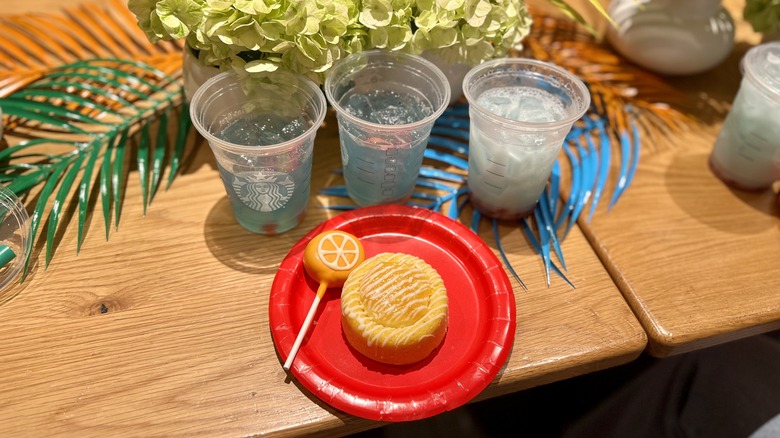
{"x": 14, "y": 237}
{"x": 262, "y": 135}
{"x": 520, "y": 111}
{"x": 386, "y": 104}
{"x": 746, "y": 154}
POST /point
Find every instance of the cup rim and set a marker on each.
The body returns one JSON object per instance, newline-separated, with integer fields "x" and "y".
{"x": 749, "y": 70}
{"x": 265, "y": 149}
{"x": 382, "y": 127}
{"x": 511, "y": 123}
{"x": 16, "y": 209}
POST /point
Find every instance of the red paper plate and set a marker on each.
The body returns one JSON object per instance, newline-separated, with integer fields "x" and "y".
{"x": 479, "y": 337}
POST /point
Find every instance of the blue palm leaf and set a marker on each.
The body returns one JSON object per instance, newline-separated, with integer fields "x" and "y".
{"x": 458, "y": 110}
{"x": 434, "y": 173}
{"x": 497, "y": 237}
{"x": 451, "y": 160}
{"x": 535, "y": 244}
{"x": 605, "y": 160}
{"x": 549, "y": 225}
{"x": 555, "y": 188}
{"x": 625, "y": 154}
{"x": 544, "y": 240}
{"x": 574, "y": 189}
{"x": 634, "y": 156}
{"x": 476, "y": 218}
{"x": 589, "y": 162}
{"x": 448, "y": 143}
{"x": 456, "y": 213}
{"x": 460, "y": 134}
{"x": 588, "y": 174}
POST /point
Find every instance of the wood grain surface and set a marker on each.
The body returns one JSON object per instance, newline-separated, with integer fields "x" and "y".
{"x": 163, "y": 329}
{"x": 699, "y": 263}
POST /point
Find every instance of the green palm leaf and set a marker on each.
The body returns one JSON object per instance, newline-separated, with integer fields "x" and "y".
{"x": 76, "y": 87}
{"x": 117, "y": 103}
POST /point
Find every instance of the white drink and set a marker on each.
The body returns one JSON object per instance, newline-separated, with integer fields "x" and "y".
{"x": 509, "y": 168}
{"x": 747, "y": 151}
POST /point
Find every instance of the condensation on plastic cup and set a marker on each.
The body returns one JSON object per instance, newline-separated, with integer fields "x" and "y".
{"x": 746, "y": 153}
{"x": 520, "y": 113}
{"x": 262, "y": 136}
{"x": 381, "y": 157}
{"x": 14, "y": 237}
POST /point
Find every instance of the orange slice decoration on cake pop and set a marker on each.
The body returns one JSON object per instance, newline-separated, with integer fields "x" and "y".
{"x": 331, "y": 256}
{"x": 328, "y": 258}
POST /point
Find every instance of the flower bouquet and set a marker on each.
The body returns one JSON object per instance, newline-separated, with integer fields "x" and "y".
{"x": 254, "y": 37}
{"x": 763, "y": 15}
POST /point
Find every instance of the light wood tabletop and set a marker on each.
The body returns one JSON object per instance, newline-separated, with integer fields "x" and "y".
{"x": 163, "y": 329}
{"x": 698, "y": 262}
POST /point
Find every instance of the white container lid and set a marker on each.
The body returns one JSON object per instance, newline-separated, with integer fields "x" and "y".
{"x": 761, "y": 65}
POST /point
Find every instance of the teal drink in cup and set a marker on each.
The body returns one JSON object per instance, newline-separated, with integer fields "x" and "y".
{"x": 386, "y": 104}
{"x": 262, "y": 136}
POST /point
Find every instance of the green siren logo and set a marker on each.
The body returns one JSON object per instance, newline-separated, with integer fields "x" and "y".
{"x": 264, "y": 192}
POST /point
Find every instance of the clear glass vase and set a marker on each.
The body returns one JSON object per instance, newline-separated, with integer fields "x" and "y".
{"x": 455, "y": 72}
{"x": 672, "y": 37}
{"x": 194, "y": 73}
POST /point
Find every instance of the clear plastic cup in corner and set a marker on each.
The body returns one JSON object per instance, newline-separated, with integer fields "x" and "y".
{"x": 746, "y": 154}
{"x": 14, "y": 237}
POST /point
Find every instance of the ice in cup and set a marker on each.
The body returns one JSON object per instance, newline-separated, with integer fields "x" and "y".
{"x": 746, "y": 154}
{"x": 521, "y": 111}
{"x": 386, "y": 104}
{"x": 262, "y": 135}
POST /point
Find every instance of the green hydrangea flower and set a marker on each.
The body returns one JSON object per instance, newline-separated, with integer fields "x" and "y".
{"x": 257, "y": 37}
{"x": 763, "y": 15}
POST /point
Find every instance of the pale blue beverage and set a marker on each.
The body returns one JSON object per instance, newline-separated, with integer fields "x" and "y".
{"x": 386, "y": 103}
{"x": 271, "y": 199}
{"x": 383, "y": 169}
{"x": 262, "y": 132}
{"x": 520, "y": 112}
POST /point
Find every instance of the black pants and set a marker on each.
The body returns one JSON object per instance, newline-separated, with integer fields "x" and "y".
{"x": 728, "y": 390}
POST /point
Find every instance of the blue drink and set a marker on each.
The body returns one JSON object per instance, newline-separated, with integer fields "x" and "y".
{"x": 386, "y": 104}
{"x": 382, "y": 167}
{"x": 268, "y": 193}
{"x": 262, "y": 135}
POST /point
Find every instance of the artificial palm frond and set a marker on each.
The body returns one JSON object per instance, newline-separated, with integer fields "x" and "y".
{"x": 70, "y": 132}
{"x": 83, "y": 94}
{"x": 620, "y": 90}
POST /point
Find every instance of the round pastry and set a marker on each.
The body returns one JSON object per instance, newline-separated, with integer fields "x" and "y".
{"x": 394, "y": 308}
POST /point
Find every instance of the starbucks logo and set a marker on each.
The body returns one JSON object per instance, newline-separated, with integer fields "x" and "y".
{"x": 264, "y": 192}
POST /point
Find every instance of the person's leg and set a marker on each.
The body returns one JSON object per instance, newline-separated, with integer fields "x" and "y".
{"x": 728, "y": 390}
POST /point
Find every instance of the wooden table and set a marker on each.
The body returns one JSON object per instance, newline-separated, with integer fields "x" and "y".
{"x": 162, "y": 330}
{"x": 699, "y": 263}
